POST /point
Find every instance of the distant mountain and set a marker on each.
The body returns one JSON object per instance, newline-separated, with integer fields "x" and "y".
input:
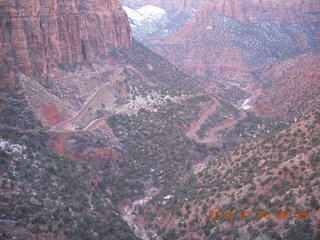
{"x": 147, "y": 20}
{"x": 187, "y": 6}
{"x": 152, "y": 25}
{"x": 237, "y": 41}
{"x": 295, "y": 11}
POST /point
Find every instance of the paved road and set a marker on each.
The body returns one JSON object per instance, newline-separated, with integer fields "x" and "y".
{"x": 96, "y": 123}
{"x": 230, "y": 123}
{"x": 211, "y": 134}
{"x": 195, "y": 126}
{"x": 67, "y": 125}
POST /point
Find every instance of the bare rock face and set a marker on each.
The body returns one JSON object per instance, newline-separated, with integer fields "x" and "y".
{"x": 37, "y": 35}
{"x": 276, "y": 11}
{"x": 182, "y": 5}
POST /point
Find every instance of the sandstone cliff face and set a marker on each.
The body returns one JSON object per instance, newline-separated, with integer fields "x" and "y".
{"x": 182, "y": 5}
{"x": 276, "y": 11}
{"x": 35, "y": 36}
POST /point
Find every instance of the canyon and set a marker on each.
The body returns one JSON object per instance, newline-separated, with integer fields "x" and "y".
{"x": 104, "y": 138}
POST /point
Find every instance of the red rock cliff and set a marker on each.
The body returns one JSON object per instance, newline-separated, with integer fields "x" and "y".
{"x": 36, "y": 35}
{"x": 276, "y": 11}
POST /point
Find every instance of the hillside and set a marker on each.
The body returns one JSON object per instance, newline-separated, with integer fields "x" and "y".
{"x": 73, "y": 80}
{"x": 295, "y": 11}
{"x": 243, "y": 43}
{"x": 277, "y": 173}
{"x": 47, "y": 196}
{"x": 290, "y": 88}
{"x": 73, "y": 105}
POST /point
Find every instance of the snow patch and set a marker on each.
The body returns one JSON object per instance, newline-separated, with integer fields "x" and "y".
{"x": 168, "y": 197}
{"x": 11, "y": 148}
{"x": 246, "y": 105}
{"x": 146, "y": 20}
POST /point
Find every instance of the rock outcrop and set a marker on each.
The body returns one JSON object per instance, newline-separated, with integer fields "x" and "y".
{"x": 36, "y": 36}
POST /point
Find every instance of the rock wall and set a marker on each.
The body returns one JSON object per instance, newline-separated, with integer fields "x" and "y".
{"x": 37, "y": 35}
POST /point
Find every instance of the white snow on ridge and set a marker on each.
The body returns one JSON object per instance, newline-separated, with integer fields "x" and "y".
{"x": 146, "y": 20}
{"x": 133, "y": 14}
{"x": 152, "y": 12}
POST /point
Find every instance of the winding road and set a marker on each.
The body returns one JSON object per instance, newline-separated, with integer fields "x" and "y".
{"x": 195, "y": 126}
{"x": 226, "y": 124}
{"x": 68, "y": 125}
{"x": 212, "y": 132}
